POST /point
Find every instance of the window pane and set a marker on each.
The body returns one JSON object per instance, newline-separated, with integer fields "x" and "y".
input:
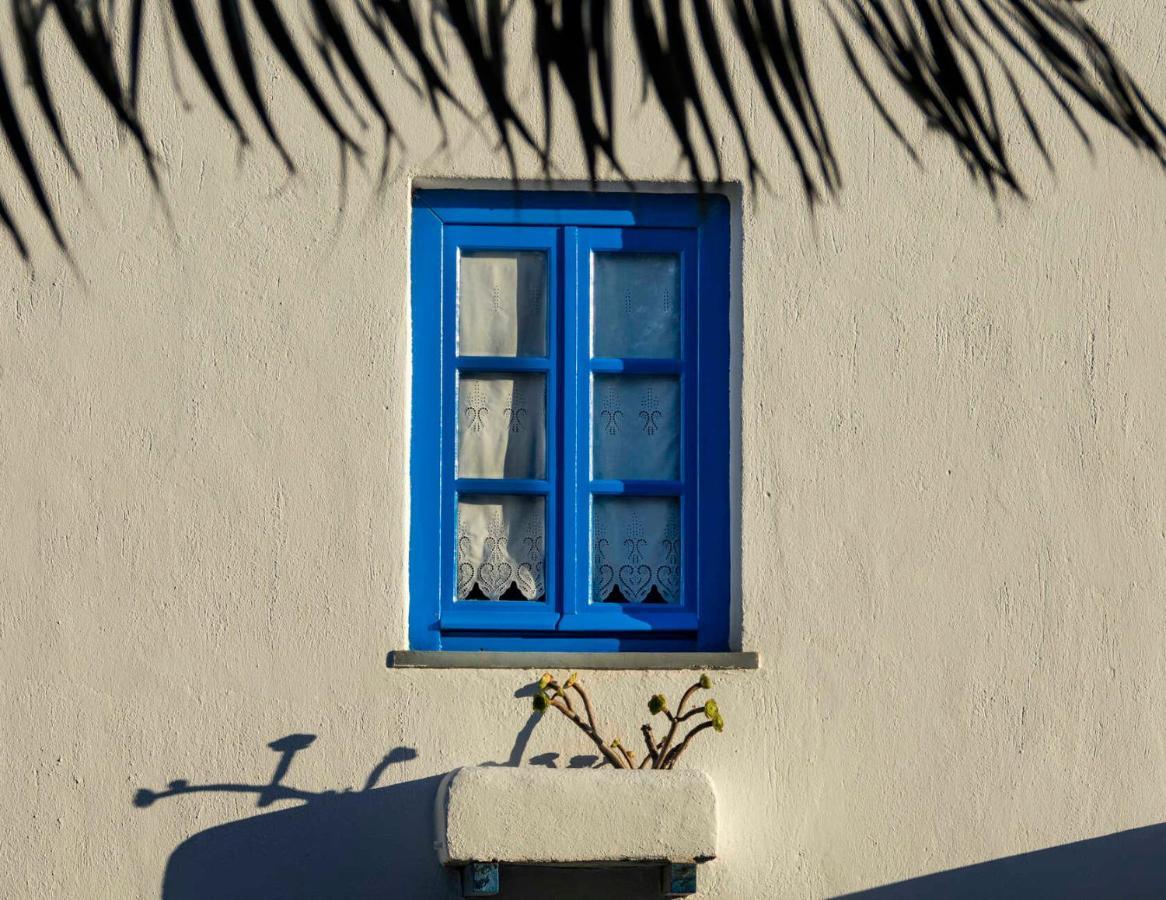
{"x": 636, "y": 426}
{"x": 502, "y": 429}
{"x": 636, "y": 305}
{"x": 502, "y": 303}
{"x": 635, "y": 550}
{"x": 500, "y": 547}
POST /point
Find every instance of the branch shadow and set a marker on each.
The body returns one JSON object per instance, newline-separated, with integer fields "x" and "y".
{"x": 375, "y": 841}
{"x": 370, "y": 842}
{"x": 522, "y": 741}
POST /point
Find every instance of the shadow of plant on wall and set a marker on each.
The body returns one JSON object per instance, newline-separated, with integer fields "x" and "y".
{"x": 662, "y": 753}
{"x": 348, "y": 842}
{"x": 287, "y": 747}
{"x": 353, "y": 843}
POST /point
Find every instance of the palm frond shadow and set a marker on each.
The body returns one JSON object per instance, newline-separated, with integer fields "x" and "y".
{"x": 955, "y": 63}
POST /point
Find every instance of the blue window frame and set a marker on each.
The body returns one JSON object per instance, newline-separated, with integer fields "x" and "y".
{"x": 576, "y": 308}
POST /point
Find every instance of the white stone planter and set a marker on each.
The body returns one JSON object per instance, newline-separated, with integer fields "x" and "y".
{"x": 590, "y": 817}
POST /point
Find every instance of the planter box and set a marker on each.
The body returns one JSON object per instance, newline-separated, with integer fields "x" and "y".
{"x": 588, "y": 817}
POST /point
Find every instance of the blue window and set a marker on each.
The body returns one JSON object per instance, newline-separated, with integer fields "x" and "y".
{"x": 569, "y": 462}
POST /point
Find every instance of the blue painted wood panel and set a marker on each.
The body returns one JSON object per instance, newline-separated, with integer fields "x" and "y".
{"x": 570, "y": 227}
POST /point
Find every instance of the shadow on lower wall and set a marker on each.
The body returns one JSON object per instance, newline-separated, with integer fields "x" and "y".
{"x": 366, "y": 842}
{"x": 354, "y": 843}
{"x": 1129, "y": 865}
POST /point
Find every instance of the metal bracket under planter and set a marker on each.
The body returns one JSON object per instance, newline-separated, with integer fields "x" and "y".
{"x": 480, "y": 880}
{"x": 484, "y": 880}
{"x": 678, "y": 879}
{"x": 592, "y": 818}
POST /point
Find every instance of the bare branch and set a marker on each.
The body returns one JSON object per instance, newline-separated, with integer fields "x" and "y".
{"x": 676, "y": 719}
{"x": 586, "y": 703}
{"x": 650, "y": 741}
{"x": 674, "y": 755}
{"x": 607, "y": 752}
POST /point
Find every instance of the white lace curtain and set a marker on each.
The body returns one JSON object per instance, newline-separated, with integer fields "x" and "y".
{"x": 635, "y": 541}
{"x": 502, "y": 432}
{"x": 635, "y": 549}
{"x": 502, "y": 429}
{"x": 502, "y": 311}
{"x": 500, "y": 547}
{"x": 635, "y": 424}
{"x": 502, "y": 304}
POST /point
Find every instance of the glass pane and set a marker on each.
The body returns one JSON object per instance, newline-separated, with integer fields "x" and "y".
{"x": 636, "y": 305}
{"x": 635, "y": 550}
{"x": 502, "y": 430}
{"x": 500, "y": 547}
{"x": 502, "y": 303}
{"x": 635, "y": 426}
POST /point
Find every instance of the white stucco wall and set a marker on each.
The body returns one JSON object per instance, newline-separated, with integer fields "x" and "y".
{"x": 953, "y": 541}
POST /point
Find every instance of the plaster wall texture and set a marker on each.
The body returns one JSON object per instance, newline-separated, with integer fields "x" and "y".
{"x": 952, "y": 535}
{"x": 584, "y": 816}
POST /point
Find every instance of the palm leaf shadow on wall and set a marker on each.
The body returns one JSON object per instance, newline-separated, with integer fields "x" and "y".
{"x": 952, "y": 61}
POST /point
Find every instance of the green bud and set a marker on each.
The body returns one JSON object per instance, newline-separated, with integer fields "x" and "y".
{"x": 657, "y": 704}
{"x": 545, "y": 680}
{"x": 718, "y": 723}
{"x": 705, "y": 681}
{"x": 711, "y": 711}
{"x": 541, "y": 702}
{"x": 571, "y": 680}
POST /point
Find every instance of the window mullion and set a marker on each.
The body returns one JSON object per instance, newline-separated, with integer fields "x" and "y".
{"x": 575, "y": 469}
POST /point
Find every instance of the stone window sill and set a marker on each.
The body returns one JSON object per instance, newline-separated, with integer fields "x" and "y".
{"x": 458, "y": 659}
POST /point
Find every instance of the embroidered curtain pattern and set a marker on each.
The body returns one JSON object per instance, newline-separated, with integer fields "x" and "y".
{"x": 636, "y": 300}
{"x": 500, "y": 547}
{"x": 502, "y": 426}
{"x": 635, "y": 427}
{"x": 502, "y": 311}
{"x": 635, "y": 552}
{"x": 635, "y": 424}
{"x": 502, "y": 303}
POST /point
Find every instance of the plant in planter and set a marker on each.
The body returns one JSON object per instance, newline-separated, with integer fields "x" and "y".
{"x": 661, "y": 754}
